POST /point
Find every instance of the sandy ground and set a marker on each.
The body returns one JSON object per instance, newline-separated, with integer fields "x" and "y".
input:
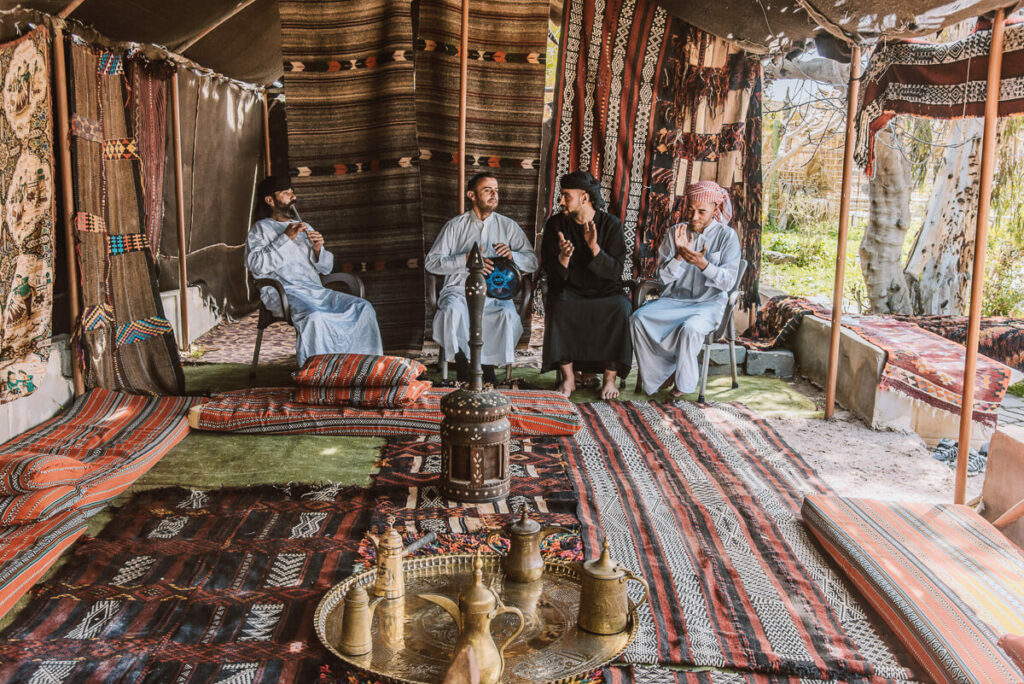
{"x": 881, "y": 464}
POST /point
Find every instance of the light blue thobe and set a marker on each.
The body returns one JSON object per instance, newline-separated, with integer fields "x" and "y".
{"x": 668, "y": 332}
{"x": 326, "y": 321}
{"x": 501, "y": 323}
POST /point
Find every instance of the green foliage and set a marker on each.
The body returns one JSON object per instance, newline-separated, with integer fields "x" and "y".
{"x": 1016, "y": 390}
{"x": 815, "y": 246}
{"x": 1004, "y": 269}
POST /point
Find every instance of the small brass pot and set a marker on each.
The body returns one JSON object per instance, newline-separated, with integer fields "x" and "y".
{"x": 523, "y": 562}
{"x": 604, "y": 605}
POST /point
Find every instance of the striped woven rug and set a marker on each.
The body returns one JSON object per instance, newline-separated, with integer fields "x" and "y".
{"x": 352, "y": 147}
{"x": 704, "y": 503}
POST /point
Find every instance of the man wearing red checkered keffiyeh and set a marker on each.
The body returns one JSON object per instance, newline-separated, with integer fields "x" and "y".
{"x": 698, "y": 262}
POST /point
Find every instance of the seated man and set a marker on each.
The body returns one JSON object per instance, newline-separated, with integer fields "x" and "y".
{"x": 697, "y": 264}
{"x": 583, "y": 252}
{"x": 497, "y": 235}
{"x": 278, "y": 247}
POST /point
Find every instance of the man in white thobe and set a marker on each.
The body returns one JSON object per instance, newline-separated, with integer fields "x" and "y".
{"x": 497, "y": 235}
{"x": 279, "y": 247}
{"x": 697, "y": 264}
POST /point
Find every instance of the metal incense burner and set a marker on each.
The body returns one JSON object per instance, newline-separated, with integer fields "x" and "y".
{"x": 475, "y": 432}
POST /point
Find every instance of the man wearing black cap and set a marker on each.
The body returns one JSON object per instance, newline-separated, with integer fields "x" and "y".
{"x": 583, "y": 253}
{"x": 292, "y": 253}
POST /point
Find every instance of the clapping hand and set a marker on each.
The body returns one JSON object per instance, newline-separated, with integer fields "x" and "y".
{"x": 565, "y": 249}
{"x": 590, "y": 236}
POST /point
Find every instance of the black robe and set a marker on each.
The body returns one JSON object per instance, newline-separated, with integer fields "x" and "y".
{"x": 587, "y": 319}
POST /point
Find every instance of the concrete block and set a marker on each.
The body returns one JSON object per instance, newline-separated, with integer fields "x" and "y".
{"x": 777, "y": 362}
{"x": 720, "y": 354}
{"x": 1004, "y": 479}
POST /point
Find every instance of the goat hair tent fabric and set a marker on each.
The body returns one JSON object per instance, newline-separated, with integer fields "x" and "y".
{"x": 26, "y": 181}
{"x": 352, "y": 146}
{"x": 126, "y": 342}
{"x": 937, "y": 80}
{"x": 505, "y": 105}
{"x": 646, "y": 103}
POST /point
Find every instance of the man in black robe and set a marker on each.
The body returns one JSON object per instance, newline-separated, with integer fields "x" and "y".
{"x": 583, "y": 252}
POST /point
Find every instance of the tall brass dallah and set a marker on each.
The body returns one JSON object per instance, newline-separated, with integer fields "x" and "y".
{"x": 604, "y": 606}
{"x": 475, "y": 432}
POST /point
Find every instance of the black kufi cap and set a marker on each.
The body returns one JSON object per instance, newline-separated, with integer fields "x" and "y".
{"x": 272, "y": 184}
{"x": 584, "y": 180}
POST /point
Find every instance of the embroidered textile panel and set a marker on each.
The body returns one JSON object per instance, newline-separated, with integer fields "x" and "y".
{"x": 120, "y": 283}
{"x": 505, "y": 104}
{"x": 352, "y": 146}
{"x": 26, "y": 181}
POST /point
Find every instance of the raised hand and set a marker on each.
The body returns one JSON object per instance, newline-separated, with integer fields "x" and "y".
{"x": 316, "y": 239}
{"x": 680, "y": 240}
{"x": 294, "y": 229}
{"x": 590, "y": 236}
{"x": 565, "y": 250}
{"x": 696, "y": 258}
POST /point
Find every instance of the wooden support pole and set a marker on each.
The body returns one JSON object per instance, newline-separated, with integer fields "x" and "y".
{"x": 68, "y": 192}
{"x": 212, "y": 26}
{"x": 1012, "y": 515}
{"x": 853, "y": 92}
{"x": 463, "y": 85}
{"x": 179, "y": 195}
{"x": 69, "y": 8}
{"x": 266, "y": 133}
{"x": 988, "y": 160}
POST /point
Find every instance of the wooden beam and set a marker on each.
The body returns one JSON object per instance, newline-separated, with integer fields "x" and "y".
{"x": 988, "y": 158}
{"x": 1012, "y": 515}
{"x": 463, "y": 70}
{"x": 213, "y": 26}
{"x": 69, "y": 8}
{"x": 266, "y": 132}
{"x": 68, "y": 192}
{"x": 853, "y": 92}
{"x": 179, "y": 195}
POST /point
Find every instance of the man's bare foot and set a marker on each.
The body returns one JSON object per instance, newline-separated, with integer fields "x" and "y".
{"x": 566, "y": 387}
{"x": 676, "y": 394}
{"x": 609, "y": 390}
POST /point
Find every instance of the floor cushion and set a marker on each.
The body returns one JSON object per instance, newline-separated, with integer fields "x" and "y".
{"x": 39, "y": 505}
{"x": 275, "y": 411}
{"x": 395, "y": 396}
{"x": 357, "y": 370}
{"x": 26, "y": 551}
{"x": 21, "y": 473}
{"x": 943, "y": 578}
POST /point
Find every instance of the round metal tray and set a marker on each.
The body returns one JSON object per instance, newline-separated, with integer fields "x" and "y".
{"x": 413, "y": 638}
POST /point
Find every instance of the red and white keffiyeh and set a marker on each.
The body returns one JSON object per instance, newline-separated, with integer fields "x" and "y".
{"x": 712, "y": 193}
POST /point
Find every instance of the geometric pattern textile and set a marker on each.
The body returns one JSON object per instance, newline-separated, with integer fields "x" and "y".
{"x": 946, "y": 581}
{"x": 1001, "y": 339}
{"x": 703, "y": 502}
{"x": 647, "y": 103}
{"x": 504, "y": 105}
{"x": 26, "y": 214}
{"x": 233, "y": 342}
{"x": 937, "y": 80}
{"x": 357, "y": 370}
{"x": 352, "y": 147}
{"x": 190, "y": 587}
{"x": 28, "y": 551}
{"x": 117, "y": 272}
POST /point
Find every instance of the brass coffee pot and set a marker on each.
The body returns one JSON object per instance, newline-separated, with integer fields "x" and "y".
{"x": 604, "y": 606}
{"x": 356, "y": 638}
{"x": 477, "y": 607}
{"x": 390, "y": 582}
{"x": 523, "y": 562}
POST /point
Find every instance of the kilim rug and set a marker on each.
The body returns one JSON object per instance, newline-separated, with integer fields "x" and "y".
{"x": 1002, "y": 339}
{"x": 919, "y": 363}
{"x": 234, "y": 341}
{"x": 27, "y": 184}
{"x": 505, "y": 104}
{"x": 663, "y": 675}
{"x": 187, "y": 586}
{"x": 126, "y": 342}
{"x": 648, "y": 103}
{"x": 704, "y": 503}
{"x": 352, "y": 145}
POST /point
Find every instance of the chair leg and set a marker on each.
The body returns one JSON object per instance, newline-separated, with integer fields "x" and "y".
{"x": 256, "y": 352}
{"x": 732, "y": 359}
{"x": 639, "y": 380}
{"x": 704, "y": 372}
{"x": 508, "y": 373}
{"x": 443, "y": 363}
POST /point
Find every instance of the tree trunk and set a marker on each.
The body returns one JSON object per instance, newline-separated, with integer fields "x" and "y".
{"x": 939, "y": 266}
{"x": 881, "y": 250}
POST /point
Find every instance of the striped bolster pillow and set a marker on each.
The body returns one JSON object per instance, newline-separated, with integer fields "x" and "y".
{"x": 397, "y": 396}
{"x": 21, "y": 473}
{"x": 40, "y": 505}
{"x": 357, "y": 370}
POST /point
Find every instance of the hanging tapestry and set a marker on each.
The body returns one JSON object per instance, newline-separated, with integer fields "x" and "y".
{"x": 937, "y": 80}
{"x": 148, "y": 107}
{"x": 126, "y": 343}
{"x": 647, "y": 103}
{"x": 27, "y": 198}
{"x": 504, "y": 105}
{"x": 352, "y": 148}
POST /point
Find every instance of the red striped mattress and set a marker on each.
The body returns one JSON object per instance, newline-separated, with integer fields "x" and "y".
{"x": 273, "y": 411}
{"x": 946, "y": 581}
{"x": 26, "y": 551}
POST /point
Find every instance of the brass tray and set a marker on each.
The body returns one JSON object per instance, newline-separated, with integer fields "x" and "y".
{"x": 413, "y": 638}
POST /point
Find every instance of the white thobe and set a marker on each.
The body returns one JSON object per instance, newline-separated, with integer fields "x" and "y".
{"x": 501, "y": 323}
{"x": 326, "y": 321}
{"x": 668, "y": 332}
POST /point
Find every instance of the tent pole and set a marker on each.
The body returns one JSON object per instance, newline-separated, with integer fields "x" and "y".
{"x": 853, "y": 93}
{"x": 69, "y": 8}
{"x": 988, "y": 155}
{"x": 211, "y": 27}
{"x": 68, "y": 192}
{"x": 179, "y": 195}
{"x": 266, "y": 133}
{"x": 463, "y": 68}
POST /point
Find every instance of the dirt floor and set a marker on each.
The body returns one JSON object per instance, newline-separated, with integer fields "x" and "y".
{"x": 858, "y": 461}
